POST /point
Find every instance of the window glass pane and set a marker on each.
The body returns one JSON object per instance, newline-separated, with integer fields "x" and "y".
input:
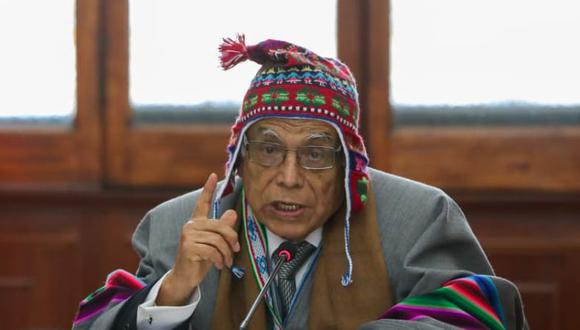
{"x": 37, "y": 61}
{"x": 174, "y": 67}
{"x": 502, "y": 57}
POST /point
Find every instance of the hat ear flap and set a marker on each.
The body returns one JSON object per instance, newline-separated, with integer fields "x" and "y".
{"x": 359, "y": 187}
{"x": 359, "y": 181}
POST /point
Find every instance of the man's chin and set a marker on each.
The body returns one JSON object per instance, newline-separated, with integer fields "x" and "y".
{"x": 289, "y": 228}
{"x": 290, "y": 234}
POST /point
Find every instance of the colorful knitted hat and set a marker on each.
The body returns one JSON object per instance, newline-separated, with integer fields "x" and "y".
{"x": 294, "y": 82}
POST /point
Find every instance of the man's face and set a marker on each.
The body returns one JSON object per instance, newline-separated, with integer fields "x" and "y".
{"x": 288, "y": 199}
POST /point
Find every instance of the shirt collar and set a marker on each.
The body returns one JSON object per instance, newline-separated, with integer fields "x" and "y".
{"x": 274, "y": 240}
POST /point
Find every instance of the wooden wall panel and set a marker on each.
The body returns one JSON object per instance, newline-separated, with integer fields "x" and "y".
{"x": 534, "y": 241}
{"x": 514, "y": 158}
{"x": 41, "y": 267}
{"x": 57, "y": 247}
{"x": 539, "y": 278}
{"x": 50, "y": 240}
{"x": 545, "y": 297}
{"x": 15, "y": 293}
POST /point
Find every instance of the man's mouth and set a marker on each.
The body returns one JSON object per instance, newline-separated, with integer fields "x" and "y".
{"x": 288, "y": 208}
{"x": 282, "y": 206}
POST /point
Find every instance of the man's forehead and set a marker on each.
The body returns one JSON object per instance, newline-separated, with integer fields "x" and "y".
{"x": 302, "y": 127}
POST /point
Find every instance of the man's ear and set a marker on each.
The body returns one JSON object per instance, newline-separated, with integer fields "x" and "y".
{"x": 342, "y": 159}
{"x": 238, "y": 167}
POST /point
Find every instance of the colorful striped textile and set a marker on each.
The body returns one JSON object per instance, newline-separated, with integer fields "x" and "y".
{"x": 119, "y": 286}
{"x": 469, "y": 303}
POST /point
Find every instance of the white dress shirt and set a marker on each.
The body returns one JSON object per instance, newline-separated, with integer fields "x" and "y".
{"x": 153, "y": 317}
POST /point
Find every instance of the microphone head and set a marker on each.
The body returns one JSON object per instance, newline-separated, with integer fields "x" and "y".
{"x": 287, "y": 251}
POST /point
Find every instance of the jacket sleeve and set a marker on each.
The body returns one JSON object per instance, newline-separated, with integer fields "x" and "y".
{"x": 473, "y": 302}
{"x": 438, "y": 271}
{"x": 454, "y": 306}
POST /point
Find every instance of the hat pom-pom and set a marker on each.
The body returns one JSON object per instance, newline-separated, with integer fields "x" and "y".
{"x": 233, "y": 51}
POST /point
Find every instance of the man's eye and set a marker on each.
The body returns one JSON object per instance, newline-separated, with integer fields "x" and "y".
{"x": 314, "y": 154}
{"x": 269, "y": 149}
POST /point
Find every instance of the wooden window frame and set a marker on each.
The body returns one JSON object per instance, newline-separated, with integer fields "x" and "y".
{"x": 101, "y": 147}
{"x": 459, "y": 158}
{"x": 61, "y": 157}
{"x": 165, "y": 155}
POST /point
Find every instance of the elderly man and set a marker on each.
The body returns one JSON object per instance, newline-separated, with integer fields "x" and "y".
{"x": 373, "y": 250}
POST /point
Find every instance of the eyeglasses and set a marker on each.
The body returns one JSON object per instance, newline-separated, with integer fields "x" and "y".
{"x": 309, "y": 157}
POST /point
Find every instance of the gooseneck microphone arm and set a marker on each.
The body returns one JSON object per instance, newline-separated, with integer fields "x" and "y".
{"x": 286, "y": 253}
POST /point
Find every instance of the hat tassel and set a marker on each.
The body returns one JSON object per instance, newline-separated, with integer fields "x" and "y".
{"x": 233, "y": 52}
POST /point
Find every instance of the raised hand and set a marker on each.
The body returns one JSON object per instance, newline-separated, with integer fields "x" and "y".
{"x": 204, "y": 242}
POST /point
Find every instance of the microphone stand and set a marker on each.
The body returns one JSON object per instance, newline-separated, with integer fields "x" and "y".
{"x": 285, "y": 256}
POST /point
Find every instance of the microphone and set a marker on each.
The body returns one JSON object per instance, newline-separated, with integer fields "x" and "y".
{"x": 286, "y": 253}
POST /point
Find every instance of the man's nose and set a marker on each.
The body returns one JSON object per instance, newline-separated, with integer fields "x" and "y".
{"x": 290, "y": 172}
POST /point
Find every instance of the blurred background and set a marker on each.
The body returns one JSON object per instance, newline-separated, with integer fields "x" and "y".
{"x": 109, "y": 107}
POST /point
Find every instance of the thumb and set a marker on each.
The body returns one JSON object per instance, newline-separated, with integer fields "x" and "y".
{"x": 229, "y": 218}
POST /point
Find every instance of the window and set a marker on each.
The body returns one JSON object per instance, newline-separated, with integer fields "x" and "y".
{"x": 174, "y": 69}
{"x": 169, "y": 105}
{"x": 40, "y": 58}
{"x": 108, "y": 93}
{"x": 461, "y": 156}
{"x": 47, "y": 137}
{"x": 485, "y": 62}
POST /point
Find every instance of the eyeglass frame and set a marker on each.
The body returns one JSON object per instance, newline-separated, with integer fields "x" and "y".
{"x": 246, "y": 142}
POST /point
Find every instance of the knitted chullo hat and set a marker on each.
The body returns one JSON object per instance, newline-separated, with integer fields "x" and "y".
{"x": 294, "y": 82}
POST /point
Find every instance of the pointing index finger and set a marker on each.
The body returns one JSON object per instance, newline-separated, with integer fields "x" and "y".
{"x": 203, "y": 204}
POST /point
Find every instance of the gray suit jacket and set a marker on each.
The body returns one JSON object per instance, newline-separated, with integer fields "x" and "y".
{"x": 425, "y": 238}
